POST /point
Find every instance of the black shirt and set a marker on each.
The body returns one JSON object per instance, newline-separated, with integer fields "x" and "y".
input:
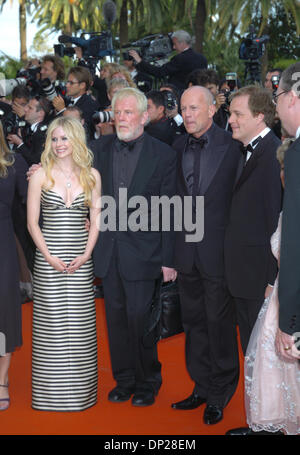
{"x": 125, "y": 159}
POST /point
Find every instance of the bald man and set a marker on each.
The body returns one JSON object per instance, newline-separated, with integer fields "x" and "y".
{"x": 207, "y": 164}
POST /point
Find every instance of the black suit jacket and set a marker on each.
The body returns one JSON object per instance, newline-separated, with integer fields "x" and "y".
{"x": 289, "y": 282}
{"x": 33, "y": 145}
{"x": 249, "y": 263}
{"x": 162, "y": 130}
{"x": 218, "y": 168}
{"x": 178, "y": 68}
{"x": 88, "y": 106}
{"x": 141, "y": 254}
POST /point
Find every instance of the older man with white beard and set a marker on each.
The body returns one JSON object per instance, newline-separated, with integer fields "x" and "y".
{"x": 128, "y": 261}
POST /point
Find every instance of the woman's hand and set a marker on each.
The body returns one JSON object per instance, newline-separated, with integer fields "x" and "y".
{"x": 77, "y": 263}
{"x": 57, "y": 264}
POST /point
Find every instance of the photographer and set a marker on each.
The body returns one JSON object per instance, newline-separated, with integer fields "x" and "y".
{"x": 52, "y": 68}
{"x": 106, "y": 126}
{"x": 142, "y": 80}
{"x": 31, "y": 139}
{"x": 159, "y": 126}
{"x": 13, "y": 112}
{"x": 179, "y": 66}
{"x": 79, "y": 81}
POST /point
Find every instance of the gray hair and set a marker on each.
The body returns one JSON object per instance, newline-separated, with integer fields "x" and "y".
{"x": 130, "y": 91}
{"x": 182, "y": 36}
{"x": 117, "y": 82}
{"x": 290, "y": 80}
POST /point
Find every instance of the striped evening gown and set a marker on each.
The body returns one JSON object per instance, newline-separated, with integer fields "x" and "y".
{"x": 64, "y": 344}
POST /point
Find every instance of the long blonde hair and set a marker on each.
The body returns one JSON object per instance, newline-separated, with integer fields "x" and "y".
{"x": 6, "y": 156}
{"x": 81, "y": 155}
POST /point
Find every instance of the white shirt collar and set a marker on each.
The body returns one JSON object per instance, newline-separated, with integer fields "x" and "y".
{"x": 298, "y": 132}
{"x": 262, "y": 134}
{"x": 34, "y": 127}
{"x": 74, "y": 100}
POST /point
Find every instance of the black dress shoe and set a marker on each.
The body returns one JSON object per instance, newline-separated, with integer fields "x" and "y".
{"x": 191, "y": 402}
{"x": 119, "y": 394}
{"x": 213, "y": 414}
{"x": 246, "y": 431}
{"x": 143, "y": 398}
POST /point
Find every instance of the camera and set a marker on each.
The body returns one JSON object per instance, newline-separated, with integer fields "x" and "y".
{"x": 252, "y": 47}
{"x": 48, "y": 89}
{"x": 11, "y": 123}
{"x": 99, "y": 45}
{"x": 251, "y": 50}
{"x": 275, "y": 82}
{"x": 102, "y": 117}
{"x": 170, "y": 100}
{"x": 152, "y": 47}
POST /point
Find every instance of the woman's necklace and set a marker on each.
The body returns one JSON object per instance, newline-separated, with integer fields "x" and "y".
{"x": 68, "y": 177}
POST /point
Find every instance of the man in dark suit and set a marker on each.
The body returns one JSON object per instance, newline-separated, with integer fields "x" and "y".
{"x": 287, "y": 99}
{"x": 79, "y": 81}
{"x": 206, "y": 166}
{"x": 130, "y": 259}
{"x": 31, "y": 139}
{"x": 249, "y": 263}
{"x": 160, "y": 126}
{"x": 178, "y": 68}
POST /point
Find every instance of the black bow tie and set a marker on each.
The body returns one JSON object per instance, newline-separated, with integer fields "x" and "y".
{"x": 198, "y": 142}
{"x": 250, "y": 147}
{"x": 121, "y": 145}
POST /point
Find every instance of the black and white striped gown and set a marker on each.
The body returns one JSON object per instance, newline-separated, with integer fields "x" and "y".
{"x": 64, "y": 346}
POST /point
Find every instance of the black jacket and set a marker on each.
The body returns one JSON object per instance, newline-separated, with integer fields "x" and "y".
{"x": 141, "y": 253}
{"x": 218, "y": 168}
{"x": 289, "y": 283}
{"x": 178, "y": 68}
{"x": 256, "y": 203}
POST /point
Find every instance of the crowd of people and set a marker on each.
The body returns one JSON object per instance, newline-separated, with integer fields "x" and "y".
{"x": 71, "y": 165}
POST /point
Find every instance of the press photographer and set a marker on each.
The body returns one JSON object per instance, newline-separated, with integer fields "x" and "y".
{"x": 30, "y": 140}
{"x": 79, "y": 81}
{"x": 178, "y": 68}
{"x": 143, "y": 81}
{"x": 42, "y": 81}
{"x": 160, "y": 126}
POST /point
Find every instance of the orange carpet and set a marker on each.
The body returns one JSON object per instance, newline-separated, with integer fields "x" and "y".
{"x": 109, "y": 418}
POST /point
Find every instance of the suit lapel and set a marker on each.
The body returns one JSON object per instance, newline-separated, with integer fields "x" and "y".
{"x": 210, "y": 161}
{"x": 251, "y": 164}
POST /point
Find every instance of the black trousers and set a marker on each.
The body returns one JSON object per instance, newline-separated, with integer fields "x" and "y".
{"x": 211, "y": 339}
{"x": 247, "y": 311}
{"x": 127, "y": 306}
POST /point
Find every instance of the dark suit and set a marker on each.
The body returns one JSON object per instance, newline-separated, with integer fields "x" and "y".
{"x": 178, "y": 68}
{"x": 34, "y": 143}
{"x": 129, "y": 262}
{"x": 249, "y": 263}
{"x": 162, "y": 130}
{"x": 88, "y": 106}
{"x": 208, "y": 316}
{"x": 289, "y": 283}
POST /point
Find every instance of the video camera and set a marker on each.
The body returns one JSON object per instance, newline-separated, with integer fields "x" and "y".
{"x": 151, "y": 48}
{"x": 98, "y": 46}
{"x": 252, "y": 48}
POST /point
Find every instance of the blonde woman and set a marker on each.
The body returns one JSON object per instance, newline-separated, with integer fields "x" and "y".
{"x": 64, "y": 362}
{"x": 12, "y": 179}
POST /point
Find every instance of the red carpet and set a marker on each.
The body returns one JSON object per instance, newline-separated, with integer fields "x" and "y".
{"x": 108, "y": 418}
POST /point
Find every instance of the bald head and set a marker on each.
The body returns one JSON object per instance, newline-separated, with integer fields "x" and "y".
{"x": 198, "y": 109}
